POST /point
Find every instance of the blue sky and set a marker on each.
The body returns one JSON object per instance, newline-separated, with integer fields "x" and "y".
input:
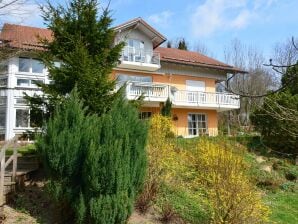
{"x": 260, "y": 23}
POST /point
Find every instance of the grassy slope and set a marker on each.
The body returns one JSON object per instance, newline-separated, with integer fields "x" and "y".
{"x": 283, "y": 203}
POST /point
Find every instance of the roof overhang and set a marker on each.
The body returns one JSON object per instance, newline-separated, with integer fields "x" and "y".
{"x": 138, "y": 23}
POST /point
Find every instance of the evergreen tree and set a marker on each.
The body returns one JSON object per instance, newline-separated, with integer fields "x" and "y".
{"x": 96, "y": 164}
{"x": 81, "y": 53}
{"x": 277, "y": 119}
{"x": 166, "y": 109}
{"x": 182, "y": 45}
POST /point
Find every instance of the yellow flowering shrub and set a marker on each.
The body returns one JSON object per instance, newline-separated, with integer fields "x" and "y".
{"x": 232, "y": 198}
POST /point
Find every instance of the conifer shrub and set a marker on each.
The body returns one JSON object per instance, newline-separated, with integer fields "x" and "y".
{"x": 96, "y": 165}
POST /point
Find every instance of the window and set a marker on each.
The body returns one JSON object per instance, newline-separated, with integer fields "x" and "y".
{"x": 125, "y": 78}
{"x": 22, "y": 118}
{"x": 37, "y": 66}
{"x": 24, "y": 64}
{"x": 28, "y": 83}
{"x": 3, "y": 67}
{"x": 3, "y": 82}
{"x": 30, "y": 65}
{"x": 23, "y": 82}
{"x": 2, "y": 117}
{"x": 197, "y": 124}
{"x": 134, "y": 51}
{"x": 2, "y": 101}
{"x": 145, "y": 115}
{"x": 21, "y": 101}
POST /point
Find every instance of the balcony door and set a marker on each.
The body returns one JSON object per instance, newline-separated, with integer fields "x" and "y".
{"x": 136, "y": 50}
{"x": 195, "y": 91}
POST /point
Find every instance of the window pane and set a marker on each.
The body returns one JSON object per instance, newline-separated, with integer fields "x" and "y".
{"x": 37, "y": 66}
{"x": 22, "y": 118}
{"x": 3, "y": 67}
{"x": 130, "y": 43}
{"x": 125, "y": 78}
{"x": 35, "y": 118}
{"x": 2, "y": 101}
{"x": 21, "y": 101}
{"x": 34, "y": 82}
{"x": 24, "y": 64}
{"x": 3, "y": 82}
{"x": 23, "y": 82}
{"x": 2, "y": 117}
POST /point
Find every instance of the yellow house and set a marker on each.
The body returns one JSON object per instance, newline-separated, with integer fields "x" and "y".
{"x": 187, "y": 78}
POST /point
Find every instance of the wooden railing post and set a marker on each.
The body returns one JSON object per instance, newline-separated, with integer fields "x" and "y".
{"x": 14, "y": 163}
{"x": 2, "y": 175}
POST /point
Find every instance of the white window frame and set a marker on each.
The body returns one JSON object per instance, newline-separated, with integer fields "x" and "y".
{"x": 4, "y": 78}
{"x": 199, "y": 131}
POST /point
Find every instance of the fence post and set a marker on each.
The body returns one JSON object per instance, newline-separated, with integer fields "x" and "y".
{"x": 15, "y": 162}
{"x": 2, "y": 174}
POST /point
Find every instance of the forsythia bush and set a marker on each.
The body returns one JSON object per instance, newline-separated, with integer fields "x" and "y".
{"x": 231, "y": 196}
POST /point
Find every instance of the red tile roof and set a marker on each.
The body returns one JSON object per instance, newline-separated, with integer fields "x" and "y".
{"x": 27, "y": 38}
{"x": 174, "y": 55}
{"x": 24, "y": 37}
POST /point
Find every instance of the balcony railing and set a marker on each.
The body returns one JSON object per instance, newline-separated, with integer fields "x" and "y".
{"x": 152, "y": 92}
{"x": 160, "y": 92}
{"x": 139, "y": 57}
{"x": 204, "y": 98}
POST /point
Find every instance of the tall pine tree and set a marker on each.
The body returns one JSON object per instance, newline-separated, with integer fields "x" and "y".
{"x": 82, "y": 53}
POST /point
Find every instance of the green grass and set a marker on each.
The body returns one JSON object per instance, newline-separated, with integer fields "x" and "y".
{"x": 284, "y": 207}
{"x": 28, "y": 149}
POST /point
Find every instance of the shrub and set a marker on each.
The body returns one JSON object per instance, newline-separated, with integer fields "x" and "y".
{"x": 96, "y": 164}
{"x": 158, "y": 148}
{"x": 222, "y": 172}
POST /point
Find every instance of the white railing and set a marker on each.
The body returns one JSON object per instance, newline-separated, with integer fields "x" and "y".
{"x": 132, "y": 54}
{"x": 160, "y": 92}
{"x": 195, "y": 97}
{"x": 153, "y": 91}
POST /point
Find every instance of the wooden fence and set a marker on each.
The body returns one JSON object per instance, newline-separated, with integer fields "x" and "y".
{"x": 4, "y": 163}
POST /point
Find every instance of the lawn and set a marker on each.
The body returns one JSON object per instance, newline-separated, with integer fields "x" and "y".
{"x": 284, "y": 207}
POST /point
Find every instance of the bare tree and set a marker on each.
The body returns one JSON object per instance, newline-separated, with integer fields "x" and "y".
{"x": 201, "y": 48}
{"x": 257, "y": 81}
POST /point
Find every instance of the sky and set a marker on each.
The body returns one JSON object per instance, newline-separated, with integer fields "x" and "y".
{"x": 214, "y": 23}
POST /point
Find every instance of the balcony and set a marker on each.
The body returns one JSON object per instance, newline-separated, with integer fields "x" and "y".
{"x": 155, "y": 93}
{"x": 134, "y": 58}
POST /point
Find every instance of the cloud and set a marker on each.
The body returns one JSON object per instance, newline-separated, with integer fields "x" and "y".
{"x": 21, "y": 12}
{"x": 218, "y": 15}
{"x": 161, "y": 19}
